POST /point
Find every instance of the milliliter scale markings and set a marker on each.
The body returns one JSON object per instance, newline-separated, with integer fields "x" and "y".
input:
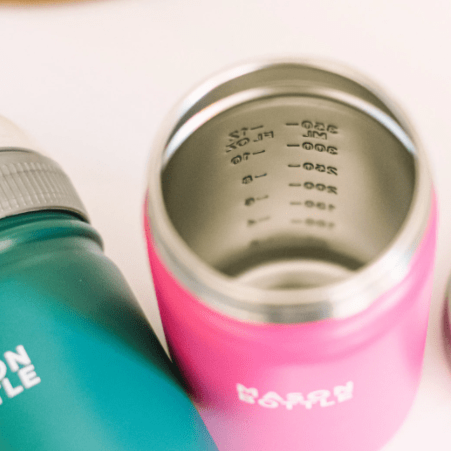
{"x": 321, "y": 131}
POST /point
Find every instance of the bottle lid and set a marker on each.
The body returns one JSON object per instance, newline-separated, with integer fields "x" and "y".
{"x": 30, "y": 181}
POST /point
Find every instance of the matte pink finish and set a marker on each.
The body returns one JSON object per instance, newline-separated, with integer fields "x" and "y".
{"x": 375, "y": 357}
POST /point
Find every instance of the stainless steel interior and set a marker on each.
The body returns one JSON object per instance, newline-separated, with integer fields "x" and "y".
{"x": 287, "y": 192}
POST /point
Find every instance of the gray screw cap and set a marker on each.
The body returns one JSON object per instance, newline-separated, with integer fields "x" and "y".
{"x": 29, "y": 181}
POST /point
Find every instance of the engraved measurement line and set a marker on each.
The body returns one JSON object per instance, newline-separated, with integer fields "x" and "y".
{"x": 314, "y": 222}
{"x": 239, "y": 158}
{"x": 318, "y": 186}
{"x": 256, "y": 128}
{"x": 245, "y": 156}
{"x": 314, "y": 204}
{"x": 249, "y": 179}
{"x": 251, "y": 200}
{"x": 264, "y": 135}
{"x": 251, "y": 222}
{"x": 320, "y": 148}
{"x": 293, "y": 145}
{"x": 317, "y": 167}
{"x": 292, "y": 124}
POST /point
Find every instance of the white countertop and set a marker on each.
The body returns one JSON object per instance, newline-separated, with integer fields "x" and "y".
{"x": 91, "y": 81}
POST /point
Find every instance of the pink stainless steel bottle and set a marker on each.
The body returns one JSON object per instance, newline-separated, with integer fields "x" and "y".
{"x": 291, "y": 226}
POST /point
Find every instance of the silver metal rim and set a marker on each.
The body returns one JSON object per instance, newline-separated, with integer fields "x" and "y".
{"x": 339, "y": 300}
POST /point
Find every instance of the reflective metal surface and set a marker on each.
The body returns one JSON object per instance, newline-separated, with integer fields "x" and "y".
{"x": 287, "y": 193}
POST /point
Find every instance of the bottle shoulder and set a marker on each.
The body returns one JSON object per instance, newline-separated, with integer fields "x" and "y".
{"x": 31, "y": 236}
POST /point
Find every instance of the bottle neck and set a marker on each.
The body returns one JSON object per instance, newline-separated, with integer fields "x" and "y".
{"x": 34, "y": 216}
{"x": 38, "y": 226}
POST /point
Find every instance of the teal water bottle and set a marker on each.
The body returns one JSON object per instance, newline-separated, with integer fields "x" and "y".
{"x": 80, "y": 368}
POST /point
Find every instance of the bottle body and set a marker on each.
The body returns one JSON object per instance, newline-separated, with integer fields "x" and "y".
{"x": 291, "y": 234}
{"x": 335, "y": 384}
{"x": 81, "y": 369}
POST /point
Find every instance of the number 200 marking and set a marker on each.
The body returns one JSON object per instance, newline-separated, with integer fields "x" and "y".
{"x": 320, "y": 168}
{"x": 320, "y": 148}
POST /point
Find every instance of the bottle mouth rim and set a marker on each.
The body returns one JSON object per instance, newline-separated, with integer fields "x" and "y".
{"x": 336, "y": 300}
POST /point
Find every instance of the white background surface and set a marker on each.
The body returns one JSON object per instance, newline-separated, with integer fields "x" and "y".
{"x": 91, "y": 81}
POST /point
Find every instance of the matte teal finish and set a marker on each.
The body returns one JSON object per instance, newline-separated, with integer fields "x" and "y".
{"x": 105, "y": 382}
